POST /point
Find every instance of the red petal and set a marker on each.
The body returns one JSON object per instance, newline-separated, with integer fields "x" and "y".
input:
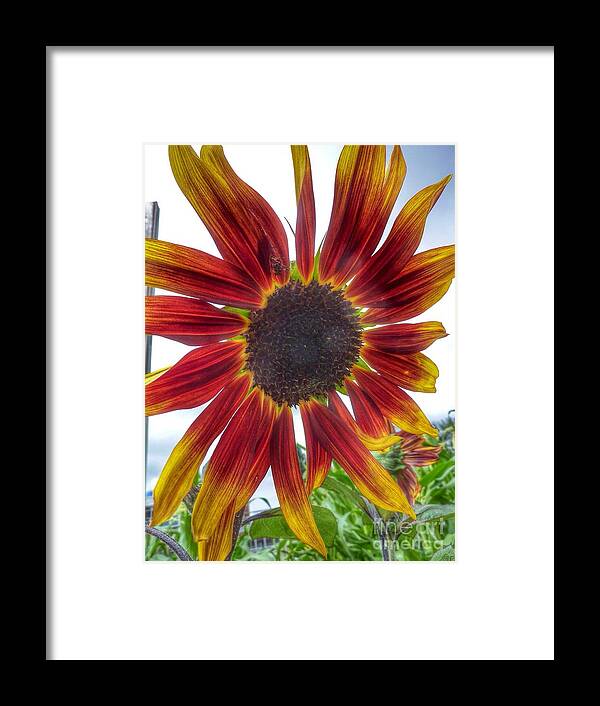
{"x": 287, "y": 477}
{"x": 265, "y": 226}
{"x": 395, "y": 404}
{"x": 414, "y": 371}
{"x": 416, "y": 452}
{"x": 178, "y": 473}
{"x": 318, "y": 459}
{"x": 258, "y": 468}
{"x": 306, "y": 216}
{"x": 367, "y": 474}
{"x": 228, "y": 473}
{"x": 404, "y": 338}
{"x": 261, "y": 457}
{"x": 194, "y": 273}
{"x": 363, "y": 199}
{"x": 373, "y": 443}
{"x": 196, "y": 378}
{"x": 408, "y": 481}
{"x": 242, "y": 224}
{"x": 368, "y": 415}
{"x": 382, "y": 316}
{"x": 191, "y": 321}
{"x": 219, "y": 545}
{"x": 423, "y": 282}
{"x": 403, "y": 239}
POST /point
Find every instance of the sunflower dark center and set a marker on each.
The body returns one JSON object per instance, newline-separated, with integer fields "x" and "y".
{"x": 303, "y": 342}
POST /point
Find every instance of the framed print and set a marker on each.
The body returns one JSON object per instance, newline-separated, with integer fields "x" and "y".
{"x": 300, "y": 368}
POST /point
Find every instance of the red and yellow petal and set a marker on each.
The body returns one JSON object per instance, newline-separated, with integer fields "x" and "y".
{"x": 367, "y": 474}
{"x": 306, "y": 215}
{"x": 229, "y": 470}
{"x": 366, "y": 412}
{"x": 364, "y": 195}
{"x": 423, "y": 282}
{"x": 360, "y": 171}
{"x": 414, "y": 371}
{"x": 373, "y": 443}
{"x": 178, "y": 473}
{"x": 193, "y": 273}
{"x": 380, "y": 210}
{"x": 220, "y": 210}
{"x": 265, "y": 226}
{"x": 242, "y": 224}
{"x": 259, "y": 466}
{"x": 382, "y": 316}
{"x": 425, "y": 456}
{"x": 395, "y": 404}
{"x": 408, "y": 481}
{"x": 416, "y": 453}
{"x": 292, "y": 495}
{"x": 154, "y": 374}
{"x": 404, "y": 338}
{"x": 257, "y": 217}
{"x": 400, "y": 245}
{"x": 218, "y": 546}
{"x": 191, "y": 321}
{"x": 196, "y": 378}
{"x": 318, "y": 459}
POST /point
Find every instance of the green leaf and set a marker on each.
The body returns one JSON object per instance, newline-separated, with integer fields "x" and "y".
{"x": 341, "y": 489}
{"x": 427, "y": 513}
{"x": 186, "y": 538}
{"x": 444, "y": 554}
{"x": 273, "y": 524}
{"x": 265, "y": 501}
{"x": 265, "y": 514}
{"x": 438, "y": 470}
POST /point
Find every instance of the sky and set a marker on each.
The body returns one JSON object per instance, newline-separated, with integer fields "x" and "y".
{"x": 268, "y": 169}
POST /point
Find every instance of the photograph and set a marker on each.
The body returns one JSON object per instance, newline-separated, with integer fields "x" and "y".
{"x": 299, "y": 352}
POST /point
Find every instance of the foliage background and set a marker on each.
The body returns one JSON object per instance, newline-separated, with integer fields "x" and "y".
{"x": 352, "y": 528}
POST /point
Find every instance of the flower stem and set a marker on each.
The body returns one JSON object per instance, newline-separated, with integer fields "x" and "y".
{"x": 237, "y": 523}
{"x": 384, "y": 548}
{"x": 174, "y": 546}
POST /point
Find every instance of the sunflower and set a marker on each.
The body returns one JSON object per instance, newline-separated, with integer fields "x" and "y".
{"x": 300, "y": 334}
